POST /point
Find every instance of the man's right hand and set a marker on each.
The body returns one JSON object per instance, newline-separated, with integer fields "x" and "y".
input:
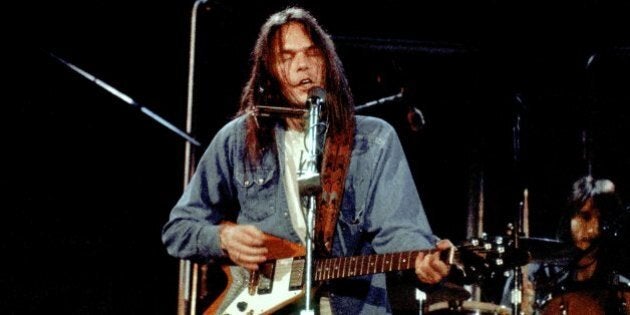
{"x": 244, "y": 244}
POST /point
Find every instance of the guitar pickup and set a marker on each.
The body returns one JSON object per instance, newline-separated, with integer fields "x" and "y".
{"x": 265, "y": 277}
{"x": 297, "y": 273}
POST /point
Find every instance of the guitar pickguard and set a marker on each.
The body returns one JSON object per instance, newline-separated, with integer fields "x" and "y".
{"x": 277, "y": 284}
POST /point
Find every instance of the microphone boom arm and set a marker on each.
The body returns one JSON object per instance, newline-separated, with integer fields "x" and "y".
{"x": 129, "y": 101}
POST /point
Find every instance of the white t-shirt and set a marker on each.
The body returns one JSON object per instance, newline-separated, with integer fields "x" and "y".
{"x": 294, "y": 151}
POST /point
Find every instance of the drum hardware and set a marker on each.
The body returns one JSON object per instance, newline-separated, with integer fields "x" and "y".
{"x": 465, "y": 307}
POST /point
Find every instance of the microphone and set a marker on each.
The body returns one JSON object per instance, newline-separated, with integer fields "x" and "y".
{"x": 316, "y": 96}
{"x": 314, "y": 102}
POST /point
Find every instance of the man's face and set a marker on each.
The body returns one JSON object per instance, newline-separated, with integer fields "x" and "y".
{"x": 585, "y": 225}
{"x": 299, "y": 65}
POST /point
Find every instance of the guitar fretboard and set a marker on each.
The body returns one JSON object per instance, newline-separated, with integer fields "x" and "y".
{"x": 341, "y": 267}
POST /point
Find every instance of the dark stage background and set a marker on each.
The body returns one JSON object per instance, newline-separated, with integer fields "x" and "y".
{"x": 88, "y": 181}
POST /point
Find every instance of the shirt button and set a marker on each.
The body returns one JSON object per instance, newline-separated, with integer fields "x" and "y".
{"x": 286, "y": 214}
{"x": 260, "y": 181}
{"x": 247, "y": 183}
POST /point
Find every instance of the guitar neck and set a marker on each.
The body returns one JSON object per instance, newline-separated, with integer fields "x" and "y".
{"x": 342, "y": 267}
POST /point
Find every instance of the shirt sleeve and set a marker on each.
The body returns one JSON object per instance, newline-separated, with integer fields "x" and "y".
{"x": 192, "y": 231}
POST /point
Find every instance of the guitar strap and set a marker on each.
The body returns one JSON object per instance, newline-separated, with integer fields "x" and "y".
{"x": 335, "y": 162}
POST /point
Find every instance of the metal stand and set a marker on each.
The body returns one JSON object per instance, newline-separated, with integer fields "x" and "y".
{"x": 517, "y": 289}
{"x": 421, "y": 297}
{"x": 521, "y": 224}
{"x": 307, "y": 178}
{"x": 189, "y": 272}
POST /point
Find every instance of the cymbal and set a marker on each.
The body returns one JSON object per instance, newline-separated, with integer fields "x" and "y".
{"x": 448, "y": 291}
{"x": 546, "y": 249}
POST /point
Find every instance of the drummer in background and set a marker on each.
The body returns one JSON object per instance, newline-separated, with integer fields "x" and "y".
{"x": 592, "y": 224}
{"x": 594, "y": 211}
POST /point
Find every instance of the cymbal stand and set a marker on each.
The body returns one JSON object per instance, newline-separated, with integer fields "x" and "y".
{"x": 516, "y": 295}
{"x": 521, "y": 225}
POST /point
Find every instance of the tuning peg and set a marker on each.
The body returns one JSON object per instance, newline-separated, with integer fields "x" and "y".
{"x": 474, "y": 241}
{"x": 498, "y": 240}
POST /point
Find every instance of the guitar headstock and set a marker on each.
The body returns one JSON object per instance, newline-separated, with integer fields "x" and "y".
{"x": 485, "y": 258}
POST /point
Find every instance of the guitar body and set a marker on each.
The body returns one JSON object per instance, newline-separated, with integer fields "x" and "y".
{"x": 270, "y": 295}
{"x": 278, "y": 282}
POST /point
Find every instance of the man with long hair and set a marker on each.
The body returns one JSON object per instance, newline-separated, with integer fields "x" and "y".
{"x": 246, "y": 184}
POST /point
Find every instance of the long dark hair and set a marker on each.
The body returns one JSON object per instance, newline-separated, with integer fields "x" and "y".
{"x": 604, "y": 197}
{"x": 263, "y": 87}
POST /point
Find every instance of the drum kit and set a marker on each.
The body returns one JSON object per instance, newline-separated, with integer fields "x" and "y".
{"x": 553, "y": 295}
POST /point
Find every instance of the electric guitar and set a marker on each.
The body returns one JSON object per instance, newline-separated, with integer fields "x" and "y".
{"x": 280, "y": 280}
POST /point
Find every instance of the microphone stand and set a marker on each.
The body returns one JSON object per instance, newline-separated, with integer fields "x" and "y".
{"x": 309, "y": 177}
{"x": 189, "y": 273}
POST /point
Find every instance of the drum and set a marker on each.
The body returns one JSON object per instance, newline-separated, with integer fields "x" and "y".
{"x": 465, "y": 307}
{"x": 588, "y": 302}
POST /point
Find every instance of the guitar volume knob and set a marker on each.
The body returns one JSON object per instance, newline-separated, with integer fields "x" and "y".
{"x": 242, "y": 306}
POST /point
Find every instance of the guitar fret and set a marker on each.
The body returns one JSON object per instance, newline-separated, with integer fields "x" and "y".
{"x": 349, "y": 267}
{"x": 385, "y": 263}
{"x": 381, "y": 266}
{"x": 361, "y": 265}
{"x": 350, "y": 259}
{"x": 324, "y": 270}
{"x": 331, "y": 268}
{"x": 403, "y": 260}
{"x": 336, "y": 268}
{"x": 341, "y": 272}
{"x": 398, "y": 260}
{"x": 373, "y": 259}
{"x": 343, "y": 266}
{"x": 354, "y": 269}
{"x": 370, "y": 264}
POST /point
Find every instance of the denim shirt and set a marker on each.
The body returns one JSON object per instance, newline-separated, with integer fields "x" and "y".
{"x": 381, "y": 209}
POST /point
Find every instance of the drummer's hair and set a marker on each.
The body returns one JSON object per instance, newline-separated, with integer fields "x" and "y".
{"x": 604, "y": 197}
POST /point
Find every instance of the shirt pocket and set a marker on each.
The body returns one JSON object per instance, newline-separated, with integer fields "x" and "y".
{"x": 256, "y": 191}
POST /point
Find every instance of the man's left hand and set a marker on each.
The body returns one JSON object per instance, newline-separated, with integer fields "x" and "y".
{"x": 430, "y": 268}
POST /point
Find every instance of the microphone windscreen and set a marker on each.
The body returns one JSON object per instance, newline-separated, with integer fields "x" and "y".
{"x": 317, "y": 92}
